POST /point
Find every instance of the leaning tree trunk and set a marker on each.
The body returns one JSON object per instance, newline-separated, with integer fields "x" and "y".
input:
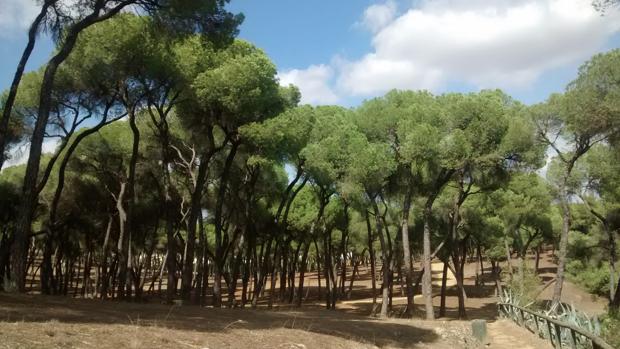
{"x": 612, "y": 264}
{"x": 194, "y": 213}
{"x": 566, "y": 222}
{"x": 126, "y": 272}
{"x": 50, "y": 236}
{"x": 29, "y": 191}
{"x": 615, "y": 304}
{"x": 563, "y": 248}
{"x": 261, "y": 280}
{"x": 21, "y": 66}
{"x": 219, "y": 249}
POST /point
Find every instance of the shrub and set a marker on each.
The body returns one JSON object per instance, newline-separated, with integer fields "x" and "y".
{"x": 9, "y": 286}
{"x": 610, "y": 328}
{"x": 594, "y": 279}
{"x": 524, "y": 284}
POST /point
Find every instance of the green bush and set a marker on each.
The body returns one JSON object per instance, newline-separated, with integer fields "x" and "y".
{"x": 524, "y": 284}
{"x": 610, "y": 329}
{"x": 9, "y": 286}
{"x": 594, "y": 279}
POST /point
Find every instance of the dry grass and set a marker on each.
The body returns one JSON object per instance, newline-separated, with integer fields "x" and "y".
{"x": 50, "y": 322}
{"x": 32, "y": 321}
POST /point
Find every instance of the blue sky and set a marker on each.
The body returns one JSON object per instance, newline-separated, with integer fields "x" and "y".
{"x": 301, "y": 35}
{"x": 342, "y": 52}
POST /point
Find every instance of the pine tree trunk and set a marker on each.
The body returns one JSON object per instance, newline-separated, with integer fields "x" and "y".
{"x": 302, "y": 273}
{"x": 275, "y": 265}
{"x": 356, "y": 264}
{"x": 559, "y": 280}
{"x": 371, "y": 252}
{"x": 194, "y": 214}
{"x": 427, "y": 288}
{"x": 21, "y": 66}
{"x": 105, "y": 279}
{"x": 459, "y": 267}
{"x": 30, "y": 191}
{"x": 122, "y": 240}
{"x": 385, "y": 261}
{"x": 566, "y": 222}
{"x": 444, "y": 279}
{"x": 407, "y": 262}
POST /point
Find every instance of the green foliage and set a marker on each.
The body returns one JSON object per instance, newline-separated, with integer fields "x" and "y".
{"x": 610, "y": 328}
{"x": 524, "y": 285}
{"x": 593, "y": 279}
{"x": 284, "y": 136}
{"x": 9, "y": 201}
{"x": 242, "y": 85}
{"x": 222, "y": 115}
{"x": 592, "y": 104}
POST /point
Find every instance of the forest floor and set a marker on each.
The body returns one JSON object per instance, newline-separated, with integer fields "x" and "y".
{"x": 35, "y": 321}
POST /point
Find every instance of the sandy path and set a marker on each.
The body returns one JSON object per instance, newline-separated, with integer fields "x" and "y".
{"x": 504, "y": 334}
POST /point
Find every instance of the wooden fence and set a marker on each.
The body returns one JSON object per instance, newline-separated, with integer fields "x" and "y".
{"x": 557, "y": 332}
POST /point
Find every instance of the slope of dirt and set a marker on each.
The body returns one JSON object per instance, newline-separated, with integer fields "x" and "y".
{"x": 571, "y": 293}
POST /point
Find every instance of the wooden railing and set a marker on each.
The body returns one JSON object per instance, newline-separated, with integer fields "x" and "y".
{"x": 557, "y": 332}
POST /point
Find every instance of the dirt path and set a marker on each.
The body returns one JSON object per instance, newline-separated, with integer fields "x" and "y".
{"x": 505, "y": 334}
{"x": 502, "y": 334}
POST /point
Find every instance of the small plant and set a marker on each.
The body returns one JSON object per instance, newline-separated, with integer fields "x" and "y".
{"x": 610, "y": 324}
{"x": 570, "y": 315}
{"x": 515, "y": 298}
{"x": 562, "y": 312}
{"x": 9, "y": 286}
{"x": 523, "y": 286}
{"x": 594, "y": 279}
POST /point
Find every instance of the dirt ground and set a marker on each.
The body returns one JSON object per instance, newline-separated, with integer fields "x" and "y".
{"x": 53, "y": 322}
{"x": 34, "y": 321}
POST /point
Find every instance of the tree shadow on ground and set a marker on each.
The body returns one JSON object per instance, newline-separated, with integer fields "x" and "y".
{"x": 29, "y": 308}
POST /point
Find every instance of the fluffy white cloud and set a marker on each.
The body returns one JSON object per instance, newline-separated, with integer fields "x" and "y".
{"x": 379, "y": 15}
{"x": 16, "y": 15}
{"x": 313, "y": 82}
{"x": 503, "y": 43}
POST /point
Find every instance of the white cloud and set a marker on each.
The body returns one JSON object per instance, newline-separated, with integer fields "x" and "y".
{"x": 18, "y": 155}
{"x": 16, "y": 16}
{"x": 313, "y": 82}
{"x": 503, "y": 43}
{"x": 379, "y": 15}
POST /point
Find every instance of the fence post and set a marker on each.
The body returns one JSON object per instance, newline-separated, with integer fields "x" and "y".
{"x": 558, "y": 333}
{"x": 574, "y": 335}
{"x": 550, "y": 333}
{"x": 572, "y": 339}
